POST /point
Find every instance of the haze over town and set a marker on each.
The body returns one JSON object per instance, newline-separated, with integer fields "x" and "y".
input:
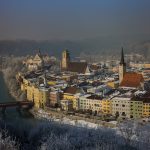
{"x": 81, "y": 26}
{"x": 75, "y": 75}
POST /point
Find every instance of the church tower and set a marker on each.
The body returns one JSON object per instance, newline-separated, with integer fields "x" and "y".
{"x": 122, "y": 67}
{"x": 65, "y": 59}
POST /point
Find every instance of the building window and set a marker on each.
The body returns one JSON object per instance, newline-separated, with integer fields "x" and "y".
{"x": 131, "y": 116}
{"x": 123, "y": 114}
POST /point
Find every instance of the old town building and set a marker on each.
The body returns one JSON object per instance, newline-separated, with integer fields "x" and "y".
{"x": 76, "y": 67}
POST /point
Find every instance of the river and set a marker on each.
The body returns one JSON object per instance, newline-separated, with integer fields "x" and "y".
{"x": 11, "y": 113}
{"x": 4, "y": 93}
{"x": 18, "y": 125}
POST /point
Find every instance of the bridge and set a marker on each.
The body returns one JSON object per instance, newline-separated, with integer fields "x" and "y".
{"x": 16, "y": 104}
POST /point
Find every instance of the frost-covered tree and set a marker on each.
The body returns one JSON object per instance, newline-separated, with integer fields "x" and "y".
{"x": 135, "y": 134}
{"x": 11, "y": 66}
{"x": 6, "y": 142}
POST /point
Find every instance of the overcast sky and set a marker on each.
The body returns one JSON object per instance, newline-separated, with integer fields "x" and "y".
{"x": 72, "y": 19}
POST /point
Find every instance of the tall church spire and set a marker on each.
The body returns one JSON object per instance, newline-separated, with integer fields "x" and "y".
{"x": 122, "y": 67}
{"x": 39, "y": 52}
{"x": 122, "y": 57}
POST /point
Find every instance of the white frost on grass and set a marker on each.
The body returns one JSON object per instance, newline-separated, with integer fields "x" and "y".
{"x": 79, "y": 123}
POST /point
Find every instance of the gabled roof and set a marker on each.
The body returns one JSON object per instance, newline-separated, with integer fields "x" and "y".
{"x": 95, "y": 97}
{"x": 71, "y": 90}
{"x": 132, "y": 79}
{"x": 79, "y": 67}
{"x": 37, "y": 57}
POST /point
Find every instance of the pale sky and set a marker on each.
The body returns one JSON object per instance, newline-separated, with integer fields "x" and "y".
{"x": 72, "y": 19}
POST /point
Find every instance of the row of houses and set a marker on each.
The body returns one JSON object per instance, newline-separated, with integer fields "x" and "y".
{"x": 75, "y": 88}
{"x": 124, "y": 103}
{"x": 95, "y": 97}
{"x": 127, "y": 105}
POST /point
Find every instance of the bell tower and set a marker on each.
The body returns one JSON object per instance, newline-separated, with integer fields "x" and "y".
{"x": 122, "y": 67}
{"x": 65, "y": 59}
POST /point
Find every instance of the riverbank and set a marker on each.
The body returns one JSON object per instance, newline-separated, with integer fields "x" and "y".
{"x": 59, "y": 116}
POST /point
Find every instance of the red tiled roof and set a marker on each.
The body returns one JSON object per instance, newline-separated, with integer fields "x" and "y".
{"x": 132, "y": 79}
{"x": 79, "y": 67}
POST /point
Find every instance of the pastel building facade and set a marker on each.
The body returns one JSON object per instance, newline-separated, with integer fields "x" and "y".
{"x": 38, "y": 95}
{"x": 136, "y": 108}
{"x": 92, "y": 103}
{"x": 146, "y": 108}
{"x": 121, "y": 106}
{"x": 106, "y": 106}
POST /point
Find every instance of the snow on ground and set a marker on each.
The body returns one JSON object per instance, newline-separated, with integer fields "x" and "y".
{"x": 113, "y": 122}
{"x": 65, "y": 120}
{"x": 83, "y": 123}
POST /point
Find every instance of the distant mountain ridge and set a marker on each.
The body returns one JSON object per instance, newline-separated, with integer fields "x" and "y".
{"x": 100, "y": 45}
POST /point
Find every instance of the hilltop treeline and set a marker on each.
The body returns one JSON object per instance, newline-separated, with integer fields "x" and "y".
{"x": 27, "y": 47}
{"x": 106, "y": 46}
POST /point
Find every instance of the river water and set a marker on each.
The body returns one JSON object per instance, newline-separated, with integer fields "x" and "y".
{"x": 19, "y": 125}
{"x": 6, "y": 97}
{"x": 11, "y": 113}
{"x": 4, "y": 94}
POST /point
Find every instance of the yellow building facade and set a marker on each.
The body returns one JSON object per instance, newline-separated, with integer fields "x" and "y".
{"x": 30, "y": 93}
{"x": 44, "y": 97}
{"x": 113, "y": 84}
{"x": 67, "y": 96}
{"x": 106, "y": 106}
{"x": 40, "y": 96}
{"x": 24, "y": 84}
{"x": 146, "y": 109}
{"x": 36, "y": 95}
{"x": 51, "y": 82}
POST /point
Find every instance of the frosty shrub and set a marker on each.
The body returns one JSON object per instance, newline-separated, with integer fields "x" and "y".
{"x": 6, "y": 142}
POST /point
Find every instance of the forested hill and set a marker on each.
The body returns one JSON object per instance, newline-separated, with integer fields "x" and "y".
{"x": 25, "y": 47}
{"x": 100, "y": 45}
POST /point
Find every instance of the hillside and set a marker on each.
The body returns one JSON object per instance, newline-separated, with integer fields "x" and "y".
{"x": 100, "y": 45}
